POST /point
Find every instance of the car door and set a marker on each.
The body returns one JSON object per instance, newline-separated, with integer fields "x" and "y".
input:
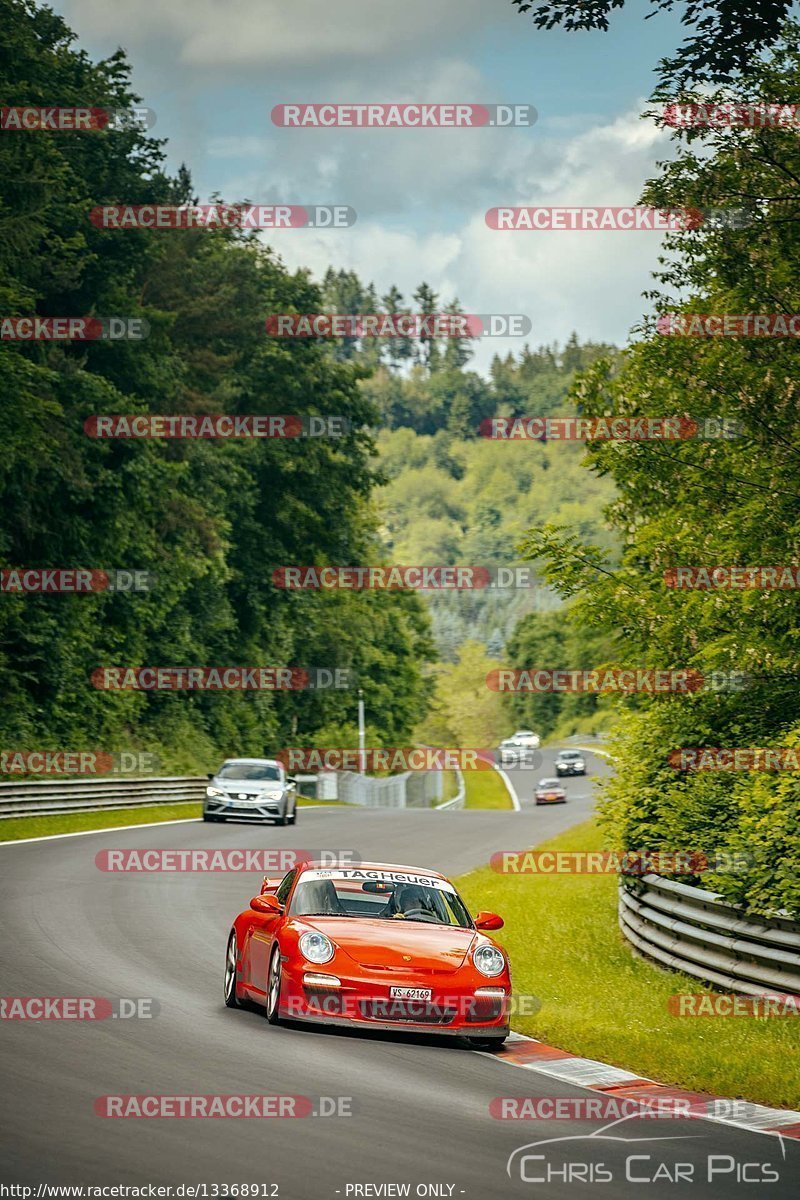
{"x": 263, "y": 931}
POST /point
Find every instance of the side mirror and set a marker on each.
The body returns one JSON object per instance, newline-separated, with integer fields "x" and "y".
{"x": 291, "y": 779}
{"x": 210, "y": 775}
{"x": 268, "y": 905}
{"x": 488, "y": 920}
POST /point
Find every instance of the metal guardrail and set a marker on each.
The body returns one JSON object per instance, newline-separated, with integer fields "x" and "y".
{"x": 47, "y": 797}
{"x": 697, "y": 932}
{"x": 412, "y": 789}
{"x": 459, "y": 800}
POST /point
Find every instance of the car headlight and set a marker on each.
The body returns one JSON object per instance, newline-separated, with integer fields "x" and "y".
{"x": 316, "y": 947}
{"x": 488, "y": 960}
{"x": 272, "y": 796}
{"x": 210, "y": 792}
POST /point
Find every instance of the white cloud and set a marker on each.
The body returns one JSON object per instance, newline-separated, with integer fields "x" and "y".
{"x": 420, "y": 195}
{"x": 591, "y": 281}
{"x": 243, "y": 33}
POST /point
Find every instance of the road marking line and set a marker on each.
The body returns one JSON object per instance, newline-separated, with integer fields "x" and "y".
{"x": 52, "y": 837}
{"x": 509, "y": 787}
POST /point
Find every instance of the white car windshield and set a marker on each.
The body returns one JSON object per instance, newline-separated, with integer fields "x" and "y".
{"x": 254, "y": 771}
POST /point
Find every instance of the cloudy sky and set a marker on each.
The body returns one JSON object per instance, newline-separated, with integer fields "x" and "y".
{"x": 213, "y": 70}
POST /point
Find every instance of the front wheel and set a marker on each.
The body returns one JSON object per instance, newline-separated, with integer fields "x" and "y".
{"x": 274, "y": 987}
{"x": 293, "y": 817}
{"x": 231, "y": 955}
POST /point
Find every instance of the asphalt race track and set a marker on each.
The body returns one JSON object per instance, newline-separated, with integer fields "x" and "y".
{"x": 420, "y": 1105}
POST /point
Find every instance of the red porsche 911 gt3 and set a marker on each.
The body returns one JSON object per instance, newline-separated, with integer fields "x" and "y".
{"x": 373, "y": 946}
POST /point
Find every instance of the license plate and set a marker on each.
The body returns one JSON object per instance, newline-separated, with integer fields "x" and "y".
{"x": 409, "y": 993}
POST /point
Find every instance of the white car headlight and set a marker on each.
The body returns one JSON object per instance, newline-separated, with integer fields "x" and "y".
{"x": 488, "y": 960}
{"x": 272, "y": 795}
{"x": 214, "y": 792}
{"x": 316, "y": 947}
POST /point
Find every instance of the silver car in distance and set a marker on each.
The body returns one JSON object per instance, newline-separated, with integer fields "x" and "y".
{"x": 251, "y": 789}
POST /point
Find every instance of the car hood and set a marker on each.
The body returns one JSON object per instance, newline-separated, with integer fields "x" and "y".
{"x": 397, "y": 944}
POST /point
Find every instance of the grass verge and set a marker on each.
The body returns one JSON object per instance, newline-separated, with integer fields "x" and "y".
{"x": 449, "y": 786}
{"x": 14, "y": 828}
{"x": 600, "y": 1001}
{"x": 485, "y": 789}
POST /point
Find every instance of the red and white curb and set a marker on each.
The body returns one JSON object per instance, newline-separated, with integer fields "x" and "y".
{"x": 531, "y": 1055}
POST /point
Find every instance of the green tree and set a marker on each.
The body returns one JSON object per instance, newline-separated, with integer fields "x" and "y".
{"x": 707, "y": 500}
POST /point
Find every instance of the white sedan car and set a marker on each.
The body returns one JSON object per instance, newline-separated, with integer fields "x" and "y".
{"x": 520, "y": 745}
{"x": 251, "y": 789}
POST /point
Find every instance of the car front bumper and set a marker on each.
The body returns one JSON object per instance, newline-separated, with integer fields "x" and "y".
{"x": 244, "y": 810}
{"x": 461, "y": 1008}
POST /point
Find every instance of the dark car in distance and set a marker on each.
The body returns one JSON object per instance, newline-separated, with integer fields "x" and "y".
{"x": 570, "y": 762}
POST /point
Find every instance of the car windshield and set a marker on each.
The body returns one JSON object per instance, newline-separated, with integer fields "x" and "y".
{"x": 240, "y": 770}
{"x": 549, "y": 783}
{"x": 411, "y": 898}
{"x": 569, "y": 754}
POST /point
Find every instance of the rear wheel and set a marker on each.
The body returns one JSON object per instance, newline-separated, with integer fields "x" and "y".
{"x": 231, "y": 955}
{"x": 274, "y": 987}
